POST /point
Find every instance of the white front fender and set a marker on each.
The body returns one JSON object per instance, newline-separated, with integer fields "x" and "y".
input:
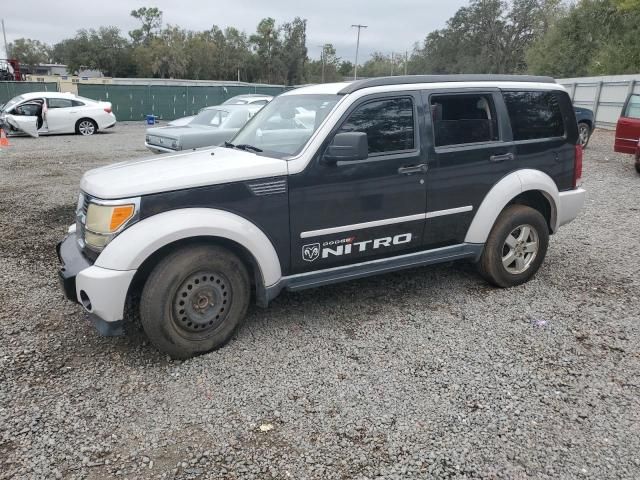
{"x": 506, "y": 190}
{"x": 133, "y": 246}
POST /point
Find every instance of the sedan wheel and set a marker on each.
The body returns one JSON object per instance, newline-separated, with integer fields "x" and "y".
{"x": 86, "y": 127}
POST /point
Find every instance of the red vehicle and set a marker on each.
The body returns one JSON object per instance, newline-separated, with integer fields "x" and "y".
{"x": 628, "y": 128}
{"x": 10, "y": 70}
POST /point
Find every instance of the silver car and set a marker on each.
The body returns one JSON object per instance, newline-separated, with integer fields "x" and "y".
{"x": 247, "y": 99}
{"x": 212, "y": 126}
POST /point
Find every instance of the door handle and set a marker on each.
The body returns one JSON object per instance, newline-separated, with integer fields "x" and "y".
{"x": 501, "y": 158}
{"x": 411, "y": 169}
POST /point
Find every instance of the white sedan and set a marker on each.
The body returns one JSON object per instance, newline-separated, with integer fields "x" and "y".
{"x": 46, "y": 113}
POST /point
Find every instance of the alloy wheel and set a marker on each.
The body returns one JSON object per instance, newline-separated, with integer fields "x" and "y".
{"x": 86, "y": 127}
{"x": 520, "y": 249}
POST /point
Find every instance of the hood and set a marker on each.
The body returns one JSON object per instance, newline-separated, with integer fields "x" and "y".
{"x": 176, "y": 172}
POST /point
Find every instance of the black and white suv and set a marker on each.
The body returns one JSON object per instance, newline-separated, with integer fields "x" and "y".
{"x": 327, "y": 183}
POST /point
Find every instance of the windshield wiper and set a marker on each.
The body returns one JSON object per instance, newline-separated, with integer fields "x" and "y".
{"x": 243, "y": 146}
{"x": 246, "y": 146}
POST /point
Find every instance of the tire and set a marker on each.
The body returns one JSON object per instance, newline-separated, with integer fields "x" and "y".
{"x": 194, "y": 300}
{"x": 86, "y": 127}
{"x": 584, "y": 134}
{"x": 637, "y": 164}
{"x": 519, "y": 269}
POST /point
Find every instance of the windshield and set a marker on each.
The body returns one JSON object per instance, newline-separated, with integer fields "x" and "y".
{"x": 283, "y": 127}
{"x": 11, "y": 103}
{"x": 235, "y": 101}
{"x": 210, "y": 118}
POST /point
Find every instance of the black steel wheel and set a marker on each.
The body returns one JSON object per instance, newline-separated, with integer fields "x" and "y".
{"x": 194, "y": 300}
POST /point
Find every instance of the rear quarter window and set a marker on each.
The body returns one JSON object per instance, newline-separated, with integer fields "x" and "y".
{"x": 534, "y": 114}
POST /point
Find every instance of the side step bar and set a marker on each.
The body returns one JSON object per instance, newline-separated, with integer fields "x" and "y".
{"x": 318, "y": 278}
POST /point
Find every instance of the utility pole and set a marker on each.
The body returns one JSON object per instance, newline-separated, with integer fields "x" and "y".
{"x": 393, "y": 55}
{"x": 359, "y": 27}
{"x": 323, "y": 59}
{"x": 406, "y": 56}
{"x": 4, "y": 34}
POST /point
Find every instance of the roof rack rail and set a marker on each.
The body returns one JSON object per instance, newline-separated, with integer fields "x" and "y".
{"x": 409, "y": 79}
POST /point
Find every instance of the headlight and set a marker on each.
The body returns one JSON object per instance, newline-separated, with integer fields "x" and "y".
{"x": 106, "y": 219}
{"x": 175, "y": 144}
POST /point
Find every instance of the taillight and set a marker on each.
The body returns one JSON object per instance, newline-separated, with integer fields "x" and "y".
{"x": 107, "y": 109}
{"x": 577, "y": 167}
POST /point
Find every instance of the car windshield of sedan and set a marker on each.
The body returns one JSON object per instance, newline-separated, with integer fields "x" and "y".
{"x": 11, "y": 103}
{"x": 210, "y": 117}
{"x": 284, "y": 126}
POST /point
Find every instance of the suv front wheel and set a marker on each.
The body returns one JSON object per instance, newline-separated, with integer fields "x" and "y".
{"x": 194, "y": 300}
{"x": 516, "y": 247}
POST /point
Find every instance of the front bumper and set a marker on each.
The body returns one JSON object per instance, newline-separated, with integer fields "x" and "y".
{"x": 158, "y": 149}
{"x": 569, "y": 205}
{"x": 102, "y": 292}
{"x": 72, "y": 262}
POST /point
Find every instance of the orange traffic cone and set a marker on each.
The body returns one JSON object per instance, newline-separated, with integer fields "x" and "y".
{"x": 4, "y": 141}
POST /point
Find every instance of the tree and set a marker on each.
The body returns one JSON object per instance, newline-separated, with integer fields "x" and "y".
{"x": 345, "y": 69}
{"x": 166, "y": 54}
{"x": 328, "y": 57}
{"x": 594, "y": 37}
{"x": 103, "y": 49}
{"x": 151, "y": 19}
{"x": 267, "y": 47}
{"x": 487, "y": 36}
{"x": 29, "y": 52}
{"x": 294, "y": 51}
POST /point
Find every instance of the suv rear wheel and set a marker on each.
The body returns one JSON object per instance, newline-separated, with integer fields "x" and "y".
{"x": 194, "y": 300}
{"x": 516, "y": 247}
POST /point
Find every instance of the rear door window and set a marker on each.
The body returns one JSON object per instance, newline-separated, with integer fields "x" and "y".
{"x": 534, "y": 115}
{"x": 59, "y": 103}
{"x": 460, "y": 119}
{"x": 633, "y": 107}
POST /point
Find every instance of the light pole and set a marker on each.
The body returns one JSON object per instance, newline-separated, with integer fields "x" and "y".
{"x": 6, "y": 47}
{"x": 359, "y": 27}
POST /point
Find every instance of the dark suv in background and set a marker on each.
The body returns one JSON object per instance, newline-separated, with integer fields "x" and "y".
{"x": 586, "y": 124}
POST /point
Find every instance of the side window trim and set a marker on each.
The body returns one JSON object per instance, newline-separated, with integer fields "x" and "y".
{"x": 504, "y": 133}
{"x": 379, "y": 156}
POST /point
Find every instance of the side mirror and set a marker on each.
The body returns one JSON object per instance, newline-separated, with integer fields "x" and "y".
{"x": 347, "y": 147}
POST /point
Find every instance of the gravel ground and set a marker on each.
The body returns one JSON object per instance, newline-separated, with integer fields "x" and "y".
{"x": 428, "y": 373}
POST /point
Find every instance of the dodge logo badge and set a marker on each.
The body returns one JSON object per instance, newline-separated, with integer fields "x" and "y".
{"x": 311, "y": 252}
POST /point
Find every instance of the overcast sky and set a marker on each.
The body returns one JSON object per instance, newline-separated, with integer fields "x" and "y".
{"x": 394, "y": 25}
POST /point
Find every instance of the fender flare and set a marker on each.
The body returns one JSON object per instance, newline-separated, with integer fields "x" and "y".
{"x": 134, "y": 245}
{"x": 506, "y": 190}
